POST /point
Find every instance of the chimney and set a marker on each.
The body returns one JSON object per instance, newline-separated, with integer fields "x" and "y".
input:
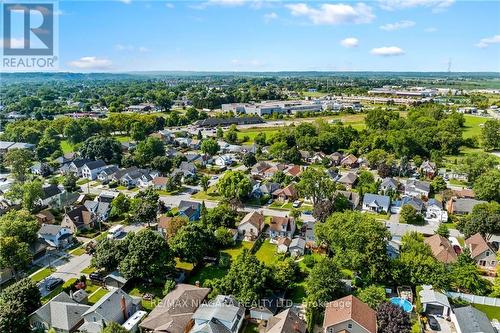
{"x": 123, "y": 307}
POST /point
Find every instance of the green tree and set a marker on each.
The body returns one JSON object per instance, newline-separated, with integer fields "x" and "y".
{"x": 69, "y": 182}
{"x": 107, "y": 255}
{"x": 249, "y": 159}
{"x": 144, "y": 206}
{"x": 285, "y": 273}
{"x": 438, "y": 184}
{"x": 477, "y": 164}
{"x": 19, "y": 161}
{"x": 162, "y": 164}
{"x": 487, "y": 186}
{"x": 210, "y": 147}
{"x": 443, "y": 231}
{"x": 14, "y": 254}
{"x": 17, "y": 302}
{"x": 120, "y": 206}
{"x": 221, "y": 216}
{"x": 138, "y": 131}
{"x": 234, "y": 185}
{"x": 485, "y": 219}
{"x": 490, "y": 134}
{"x": 231, "y": 135}
{"x": 147, "y": 150}
{"x": 20, "y": 224}
{"x": 148, "y": 257}
{"x": 192, "y": 242}
{"x": 204, "y": 182}
{"x": 372, "y": 295}
{"x": 104, "y": 148}
{"x": 316, "y": 184}
{"x": 247, "y": 279}
{"x": 409, "y": 215}
{"x": 29, "y": 193}
{"x": 466, "y": 277}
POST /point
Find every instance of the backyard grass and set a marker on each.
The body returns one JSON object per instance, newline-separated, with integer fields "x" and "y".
{"x": 298, "y": 293}
{"x": 42, "y": 274}
{"x": 251, "y": 133}
{"x": 492, "y": 312}
{"x": 237, "y": 249}
{"x": 142, "y": 289}
{"x": 97, "y": 295}
{"x": 208, "y": 272}
{"x": 187, "y": 266}
{"x": 251, "y": 328}
{"x": 123, "y": 138}
{"x": 267, "y": 253}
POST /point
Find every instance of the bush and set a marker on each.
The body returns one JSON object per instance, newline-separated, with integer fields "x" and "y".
{"x": 309, "y": 261}
{"x": 168, "y": 287}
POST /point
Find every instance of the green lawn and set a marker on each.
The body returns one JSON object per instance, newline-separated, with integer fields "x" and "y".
{"x": 267, "y": 253}
{"x": 492, "y": 312}
{"x": 237, "y": 249}
{"x": 251, "y": 133}
{"x": 472, "y": 125}
{"x": 78, "y": 251}
{"x": 208, "y": 272}
{"x": 57, "y": 291}
{"x": 42, "y": 274}
{"x": 83, "y": 181}
{"x": 97, "y": 295}
{"x": 142, "y": 289}
{"x": 187, "y": 266}
{"x": 66, "y": 147}
{"x": 88, "y": 270}
{"x": 251, "y": 328}
{"x": 211, "y": 194}
{"x": 123, "y": 138}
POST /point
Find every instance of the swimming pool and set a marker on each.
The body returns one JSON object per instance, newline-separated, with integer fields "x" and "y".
{"x": 402, "y": 303}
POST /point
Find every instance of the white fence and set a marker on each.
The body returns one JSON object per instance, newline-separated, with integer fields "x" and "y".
{"x": 475, "y": 299}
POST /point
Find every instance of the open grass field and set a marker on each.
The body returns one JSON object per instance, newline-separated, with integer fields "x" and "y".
{"x": 208, "y": 272}
{"x": 237, "y": 249}
{"x": 473, "y": 125}
{"x": 66, "y": 147}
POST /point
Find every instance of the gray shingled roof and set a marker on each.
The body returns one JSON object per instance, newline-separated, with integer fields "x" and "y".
{"x": 471, "y": 320}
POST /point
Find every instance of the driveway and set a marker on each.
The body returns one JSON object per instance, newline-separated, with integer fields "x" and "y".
{"x": 444, "y": 325}
{"x": 73, "y": 267}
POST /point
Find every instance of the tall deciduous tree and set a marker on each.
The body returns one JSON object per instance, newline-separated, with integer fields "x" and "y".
{"x": 234, "y": 185}
{"x": 487, "y": 186}
{"x": 104, "y": 148}
{"x": 210, "y": 147}
{"x": 19, "y": 161}
{"x": 192, "y": 242}
{"x": 316, "y": 184}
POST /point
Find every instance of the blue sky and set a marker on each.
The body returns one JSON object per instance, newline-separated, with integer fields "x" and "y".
{"x": 237, "y": 35}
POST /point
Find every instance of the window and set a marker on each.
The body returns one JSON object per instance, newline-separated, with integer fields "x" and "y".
{"x": 349, "y": 325}
{"x": 488, "y": 253}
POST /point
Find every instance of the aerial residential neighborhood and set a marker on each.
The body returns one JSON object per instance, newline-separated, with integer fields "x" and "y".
{"x": 250, "y": 166}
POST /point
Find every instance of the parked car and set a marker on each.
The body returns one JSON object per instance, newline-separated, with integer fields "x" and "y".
{"x": 270, "y": 201}
{"x": 433, "y": 323}
{"x": 96, "y": 277}
{"x": 53, "y": 283}
{"x": 307, "y": 212}
{"x": 296, "y": 204}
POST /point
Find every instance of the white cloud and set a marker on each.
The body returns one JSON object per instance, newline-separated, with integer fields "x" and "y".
{"x": 143, "y": 49}
{"x": 485, "y": 42}
{"x": 436, "y": 5}
{"x": 270, "y": 16}
{"x": 16, "y": 43}
{"x": 169, "y": 5}
{"x": 125, "y": 1}
{"x": 397, "y": 25}
{"x": 349, "y": 42}
{"x": 334, "y": 13}
{"x": 387, "y": 51}
{"x": 91, "y": 63}
{"x": 431, "y": 29}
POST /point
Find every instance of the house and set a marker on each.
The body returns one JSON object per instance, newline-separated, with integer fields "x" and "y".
{"x": 434, "y": 302}
{"x": 115, "y": 280}
{"x": 173, "y": 314}
{"x": 350, "y": 161}
{"x": 251, "y": 225}
{"x": 78, "y": 219}
{"x": 376, "y": 203}
{"x": 223, "y": 314}
{"x": 462, "y": 206}
{"x": 186, "y": 169}
{"x": 348, "y": 180}
{"x": 282, "y": 244}
{"x": 116, "y": 306}
{"x": 417, "y": 188}
{"x": 288, "y": 193}
{"x": 317, "y": 158}
{"x": 45, "y": 217}
{"x": 159, "y": 183}
{"x": 259, "y": 168}
{"x": 335, "y": 158}
{"x": 55, "y": 235}
{"x": 105, "y": 174}
{"x": 286, "y": 321}
{"x": 349, "y": 314}
{"x": 352, "y": 197}
{"x": 415, "y": 202}
{"x": 51, "y": 196}
{"x": 41, "y": 169}
{"x": 266, "y": 308}
{"x": 267, "y": 188}
{"x": 469, "y": 319}
{"x": 297, "y": 247}
{"x": 293, "y": 171}
{"x": 393, "y": 248}
{"x": 281, "y": 227}
{"x": 91, "y": 169}
{"x": 223, "y": 160}
{"x": 388, "y": 184}
{"x": 100, "y": 209}
{"x": 190, "y": 209}
{"x": 465, "y": 193}
{"x": 482, "y": 253}
{"x": 428, "y": 169}
{"x": 441, "y": 249}
{"x": 61, "y": 313}
{"x": 309, "y": 233}
{"x": 435, "y": 211}
{"x": 74, "y": 167}
{"x": 268, "y": 173}
{"x": 131, "y": 176}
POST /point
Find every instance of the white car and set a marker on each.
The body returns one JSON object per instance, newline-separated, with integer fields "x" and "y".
{"x": 296, "y": 204}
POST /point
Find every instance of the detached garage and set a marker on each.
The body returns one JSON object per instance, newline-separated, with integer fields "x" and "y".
{"x": 434, "y": 302}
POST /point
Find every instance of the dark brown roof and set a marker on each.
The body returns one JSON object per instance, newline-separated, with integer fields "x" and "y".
{"x": 350, "y": 308}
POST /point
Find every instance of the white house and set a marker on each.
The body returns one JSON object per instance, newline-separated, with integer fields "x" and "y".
{"x": 417, "y": 188}
{"x": 223, "y": 314}
{"x": 91, "y": 169}
{"x": 251, "y": 225}
{"x": 435, "y": 211}
{"x": 376, "y": 203}
{"x": 297, "y": 247}
{"x": 223, "y": 160}
{"x": 55, "y": 235}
